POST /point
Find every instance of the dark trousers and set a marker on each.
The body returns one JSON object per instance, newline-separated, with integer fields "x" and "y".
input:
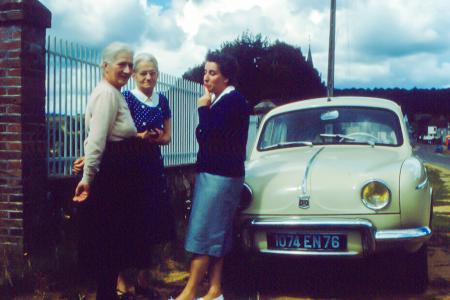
{"x": 106, "y": 283}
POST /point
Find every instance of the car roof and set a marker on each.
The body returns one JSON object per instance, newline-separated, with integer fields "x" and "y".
{"x": 338, "y": 101}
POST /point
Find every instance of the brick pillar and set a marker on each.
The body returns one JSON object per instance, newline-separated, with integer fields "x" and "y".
{"x": 23, "y": 168}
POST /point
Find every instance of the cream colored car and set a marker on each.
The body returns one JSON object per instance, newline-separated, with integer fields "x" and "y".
{"x": 337, "y": 177}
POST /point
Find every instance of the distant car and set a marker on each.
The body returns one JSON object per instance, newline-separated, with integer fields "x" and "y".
{"x": 336, "y": 177}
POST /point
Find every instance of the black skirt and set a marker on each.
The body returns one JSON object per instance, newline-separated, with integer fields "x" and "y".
{"x": 128, "y": 209}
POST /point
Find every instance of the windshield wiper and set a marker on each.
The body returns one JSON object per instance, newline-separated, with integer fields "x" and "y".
{"x": 341, "y": 137}
{"x": 288, "y": 144}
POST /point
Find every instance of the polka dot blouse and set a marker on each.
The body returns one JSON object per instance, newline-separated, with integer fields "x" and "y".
{"x": 148, "y": 115}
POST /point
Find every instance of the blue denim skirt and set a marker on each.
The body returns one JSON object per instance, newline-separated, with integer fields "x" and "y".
{"x": 214, "y": 205}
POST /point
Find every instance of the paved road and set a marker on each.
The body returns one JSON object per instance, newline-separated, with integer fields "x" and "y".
{"x": 306, "y": 279}
{"x": 427, "y": 154}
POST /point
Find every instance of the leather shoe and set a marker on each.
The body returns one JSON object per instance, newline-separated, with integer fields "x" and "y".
{"x": 217, "y": 298}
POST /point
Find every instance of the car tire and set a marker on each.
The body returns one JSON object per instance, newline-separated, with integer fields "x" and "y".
{"x": 413, "y": 270}
{"x": 238, "y": 275}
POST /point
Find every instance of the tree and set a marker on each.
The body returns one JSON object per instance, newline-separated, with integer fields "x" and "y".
{"x": 275, "y": 71}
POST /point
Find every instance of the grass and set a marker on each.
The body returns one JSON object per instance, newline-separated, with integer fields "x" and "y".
{"x": 441, "y": 192}
{"x": 440, "y": 181}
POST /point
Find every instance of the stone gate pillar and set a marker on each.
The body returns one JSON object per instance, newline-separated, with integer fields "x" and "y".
{"x": 23, "y": 168}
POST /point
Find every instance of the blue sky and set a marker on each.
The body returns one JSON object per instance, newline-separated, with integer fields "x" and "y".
{"x": 379, "y": 43}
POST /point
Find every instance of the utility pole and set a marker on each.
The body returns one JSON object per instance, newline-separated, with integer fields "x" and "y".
{"x": 330, "y": 78}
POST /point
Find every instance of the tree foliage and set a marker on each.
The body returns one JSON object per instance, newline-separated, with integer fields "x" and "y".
{"x": 275, "y": 71}
{"x": 279, "y": 72}
{"x": 422, "y": 106}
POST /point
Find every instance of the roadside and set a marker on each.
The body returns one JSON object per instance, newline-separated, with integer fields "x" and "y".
{"x": 427, "y": 153}
{"x": 439, "y": 245}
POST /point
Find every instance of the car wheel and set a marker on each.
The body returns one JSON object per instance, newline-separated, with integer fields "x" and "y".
{"x": 238, "y": 276}
{"x": 413, "y": 269}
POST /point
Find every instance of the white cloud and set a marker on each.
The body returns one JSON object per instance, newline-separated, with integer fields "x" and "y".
{"x": 379, "y": 43}
{"x": 96, "y": 22}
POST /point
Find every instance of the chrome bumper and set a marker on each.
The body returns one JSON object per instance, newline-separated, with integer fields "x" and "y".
{"x": 370, "y": 236}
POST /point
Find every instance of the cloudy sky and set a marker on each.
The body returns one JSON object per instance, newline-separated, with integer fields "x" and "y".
{"x": 379, "y": 43}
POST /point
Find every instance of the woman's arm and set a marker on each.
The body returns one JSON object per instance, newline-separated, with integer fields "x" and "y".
{"x": 166, "y": 136}
{"x": 102, "y": 115}
{"x": 78, "y": 165}
{"x": 226, "y": 123}
{"x": 160, "y": 136}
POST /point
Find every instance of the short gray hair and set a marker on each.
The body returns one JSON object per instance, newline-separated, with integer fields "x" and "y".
{"x": 110, "y": 52}
{"x": 145, "y": 57}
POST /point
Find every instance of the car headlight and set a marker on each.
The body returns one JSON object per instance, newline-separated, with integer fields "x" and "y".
{"x": 375, "y": 195}
{"x": 246, "y": 197}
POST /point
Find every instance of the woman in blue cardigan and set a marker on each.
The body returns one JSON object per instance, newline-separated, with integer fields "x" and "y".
{"x": 222, "y": 137}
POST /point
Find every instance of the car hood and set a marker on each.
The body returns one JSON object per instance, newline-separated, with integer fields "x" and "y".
{"x": 334, "y": 178}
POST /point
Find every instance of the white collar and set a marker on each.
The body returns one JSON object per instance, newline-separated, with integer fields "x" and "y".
{"x": 227, "y": 90}
{"x": 153, "y": 100}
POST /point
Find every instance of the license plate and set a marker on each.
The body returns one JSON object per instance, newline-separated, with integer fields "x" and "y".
{"x": 313, "y": 241}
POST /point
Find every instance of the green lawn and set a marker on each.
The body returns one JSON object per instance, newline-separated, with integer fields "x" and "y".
{"x": 440, "y": 181}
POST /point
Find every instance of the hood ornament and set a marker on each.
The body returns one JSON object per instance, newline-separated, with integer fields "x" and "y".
{"x": 303, "y": 199}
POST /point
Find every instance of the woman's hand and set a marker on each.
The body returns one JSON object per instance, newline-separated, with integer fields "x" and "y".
{"x": 204, "y": 100}
{"x": 78, "y": 165}
{"x": 81, "y": 192}
{"x": 143, "y": 135}
{"x": 154, "y": 136}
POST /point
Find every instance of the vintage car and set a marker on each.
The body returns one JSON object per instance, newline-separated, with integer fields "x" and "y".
{"x": 336, "y": 177}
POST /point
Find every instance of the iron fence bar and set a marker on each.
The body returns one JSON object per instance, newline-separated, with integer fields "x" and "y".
{"x": 59, "y": 123}
{"x": 71, "y": 125}
{"x": 65, "y": 109}
{"x": 47, "y": 117}
{"x": 67, "y": 94}
{"x": 54, "y": 110}
{"x": 77, "y": 125}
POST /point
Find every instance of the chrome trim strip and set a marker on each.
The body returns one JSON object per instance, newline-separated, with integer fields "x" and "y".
{"x": 416, "y": 234}
{"x": 311, "y": 223}
{"x": 422, "y": 185}
{"x": 303, "y": 186}
{"x": 309, "y": 253}
{"x": 248, "y": 187}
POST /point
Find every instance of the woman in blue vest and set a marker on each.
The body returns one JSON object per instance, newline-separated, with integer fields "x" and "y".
{"x": 222, "y": 137}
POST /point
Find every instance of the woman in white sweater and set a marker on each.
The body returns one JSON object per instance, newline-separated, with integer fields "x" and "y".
{"x": 113, "y": 191}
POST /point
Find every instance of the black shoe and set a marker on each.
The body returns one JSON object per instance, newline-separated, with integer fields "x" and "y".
{"x": 147, "y": 293}
{"x": 121, "y": 295}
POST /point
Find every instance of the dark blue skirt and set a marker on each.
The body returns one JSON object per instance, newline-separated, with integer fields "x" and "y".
{"x": 128, "y": 210}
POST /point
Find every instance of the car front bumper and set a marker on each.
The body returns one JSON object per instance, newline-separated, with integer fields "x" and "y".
{"x": 367, "y": 238}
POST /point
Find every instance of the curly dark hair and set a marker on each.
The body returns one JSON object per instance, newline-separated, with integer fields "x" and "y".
{"x": 228, "y": 65}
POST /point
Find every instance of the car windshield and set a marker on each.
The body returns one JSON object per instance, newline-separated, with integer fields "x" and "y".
{"x": 331, "y": 125}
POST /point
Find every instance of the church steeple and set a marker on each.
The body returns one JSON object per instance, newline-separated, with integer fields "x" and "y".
{"x": 309, "y": 60}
